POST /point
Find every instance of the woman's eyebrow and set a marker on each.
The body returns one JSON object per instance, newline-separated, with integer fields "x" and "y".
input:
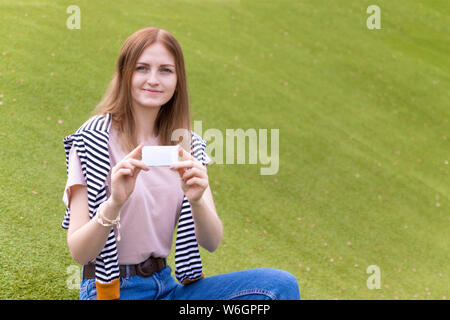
{"x": 162, "y": 65}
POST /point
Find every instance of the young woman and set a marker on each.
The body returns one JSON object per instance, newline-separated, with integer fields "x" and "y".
{"x": 121, "y": 214}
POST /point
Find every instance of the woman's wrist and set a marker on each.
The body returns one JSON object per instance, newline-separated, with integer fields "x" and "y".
{"x": 111, "y": 209}
{"x": 200, "y": 202}
{"x": 106, "y": 221}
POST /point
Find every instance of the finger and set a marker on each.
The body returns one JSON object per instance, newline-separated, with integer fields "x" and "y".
{"x": 180, "y": 169}
{"x": 183, "y": 154}
{"x": 183, "y": 164}
{"x": 137, "y": 152}
{"x": 124, "y": 172}
{"x": 197, "y": 181}
{"x": 181, "y": 172}
{"x": 127, "y": 165}
{"x": 193, "y": 172}
{"x": 135, "y": 169}
{"x": 123, "y": 165}
{"x": 139, "y": 164}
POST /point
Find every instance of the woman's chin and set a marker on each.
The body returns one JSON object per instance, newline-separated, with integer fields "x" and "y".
{"x": 150, "y": 104}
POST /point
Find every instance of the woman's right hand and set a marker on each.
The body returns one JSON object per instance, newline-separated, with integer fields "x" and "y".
{"x": 124, "y": 175}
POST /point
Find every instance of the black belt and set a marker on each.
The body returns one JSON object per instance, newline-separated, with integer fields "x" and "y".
{"x": 144, "y": 269}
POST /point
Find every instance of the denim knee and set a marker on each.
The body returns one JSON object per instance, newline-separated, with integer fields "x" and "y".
{"x": 287, "y": 287}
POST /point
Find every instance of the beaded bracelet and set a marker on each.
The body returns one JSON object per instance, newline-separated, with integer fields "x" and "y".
{"x": 109, "y": 223}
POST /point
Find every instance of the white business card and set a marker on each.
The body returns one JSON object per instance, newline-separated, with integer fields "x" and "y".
{"x": 160, "y": 155}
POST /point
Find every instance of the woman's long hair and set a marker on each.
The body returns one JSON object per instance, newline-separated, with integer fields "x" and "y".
{"x": 118, "y": 100}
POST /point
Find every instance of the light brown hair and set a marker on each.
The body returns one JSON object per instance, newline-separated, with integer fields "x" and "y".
{"x": 118, "y": 100}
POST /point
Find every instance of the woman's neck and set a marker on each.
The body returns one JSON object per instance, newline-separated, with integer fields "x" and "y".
{"x": 145, "y": 119}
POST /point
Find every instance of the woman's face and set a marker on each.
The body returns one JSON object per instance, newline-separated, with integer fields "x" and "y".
{"x": 154, "y": 78}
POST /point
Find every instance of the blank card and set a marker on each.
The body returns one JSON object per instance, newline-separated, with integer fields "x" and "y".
{"x": 160, "y": 155}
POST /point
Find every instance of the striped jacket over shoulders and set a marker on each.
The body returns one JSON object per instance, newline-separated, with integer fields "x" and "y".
{"x": 91, "y": 144}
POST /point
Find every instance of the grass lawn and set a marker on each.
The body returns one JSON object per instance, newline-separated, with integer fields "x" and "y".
{"x": 363, "y": 118}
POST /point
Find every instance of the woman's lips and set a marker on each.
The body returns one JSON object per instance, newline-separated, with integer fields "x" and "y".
{"x": 152, "y": 91}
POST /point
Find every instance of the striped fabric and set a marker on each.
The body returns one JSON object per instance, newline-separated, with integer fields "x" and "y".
{"x": 91, "y": 143}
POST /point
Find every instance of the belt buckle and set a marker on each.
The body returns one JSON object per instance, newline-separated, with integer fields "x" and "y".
{"x": 143, "y": 268}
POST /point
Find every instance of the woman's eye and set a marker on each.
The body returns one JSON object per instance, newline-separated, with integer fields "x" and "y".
{"x": 144, "y": 68}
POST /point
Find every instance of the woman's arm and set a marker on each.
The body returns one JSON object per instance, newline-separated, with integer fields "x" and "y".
{"x": 195, "y": 185}
{"x": 208, "y": 227}
{"x": 86, "y": 237}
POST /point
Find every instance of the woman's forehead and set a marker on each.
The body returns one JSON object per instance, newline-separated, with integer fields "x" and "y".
{"x": 156, "y": 54}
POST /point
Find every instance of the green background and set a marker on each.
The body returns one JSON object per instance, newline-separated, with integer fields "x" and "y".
{"x": 362, "y": 115}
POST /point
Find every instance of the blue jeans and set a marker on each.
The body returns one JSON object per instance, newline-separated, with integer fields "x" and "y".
{"x": 254, "y": 284}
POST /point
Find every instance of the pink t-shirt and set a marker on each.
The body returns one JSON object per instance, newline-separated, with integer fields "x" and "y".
{"x": 149, "y": 217}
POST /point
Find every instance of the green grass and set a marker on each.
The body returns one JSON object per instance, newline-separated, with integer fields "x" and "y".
{"x": 362, "y": 115}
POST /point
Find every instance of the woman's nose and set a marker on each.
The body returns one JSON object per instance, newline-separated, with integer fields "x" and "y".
{"x": 152, "y": 78}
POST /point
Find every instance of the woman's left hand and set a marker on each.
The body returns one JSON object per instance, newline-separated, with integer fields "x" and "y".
{"x": 194, "y": 178}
